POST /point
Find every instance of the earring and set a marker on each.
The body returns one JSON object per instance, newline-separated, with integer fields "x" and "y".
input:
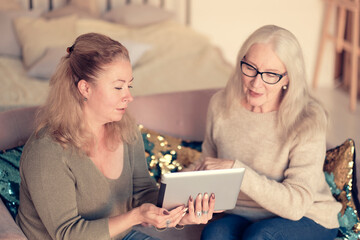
{"x": 85, "y": 99}
{"x": 284, "y": 87}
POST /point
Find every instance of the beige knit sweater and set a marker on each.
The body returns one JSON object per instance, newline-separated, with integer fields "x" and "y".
{"x": 283, "y": 177}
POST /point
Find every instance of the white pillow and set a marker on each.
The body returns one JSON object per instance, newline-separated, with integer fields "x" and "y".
{"x": 137, "y": 15}
{"x": 45, "y": 67}
{"x": 36, "y": 35}
{"x": 136, "y": 50}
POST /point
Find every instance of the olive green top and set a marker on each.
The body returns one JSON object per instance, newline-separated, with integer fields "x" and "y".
{"x": 63, "y": 195}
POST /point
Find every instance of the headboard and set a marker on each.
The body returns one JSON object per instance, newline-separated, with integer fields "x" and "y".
{"x": 182, "y": 9}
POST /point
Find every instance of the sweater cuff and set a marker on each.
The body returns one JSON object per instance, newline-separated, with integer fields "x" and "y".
{"x": 238, "y": 164}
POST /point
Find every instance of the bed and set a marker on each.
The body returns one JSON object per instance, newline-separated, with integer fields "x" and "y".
{"x": 166, "y": 53}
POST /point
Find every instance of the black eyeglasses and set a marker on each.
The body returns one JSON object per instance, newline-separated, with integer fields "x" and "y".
{"x": 267, "y": 77}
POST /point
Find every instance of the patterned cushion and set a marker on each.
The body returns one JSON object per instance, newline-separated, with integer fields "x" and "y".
{"x": 167, "y": 154}
{"x": 10, "y": 178}
{"x": 340, "y": 173}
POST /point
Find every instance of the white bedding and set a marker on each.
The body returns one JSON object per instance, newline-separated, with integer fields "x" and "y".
{"x": 177, "y": 59}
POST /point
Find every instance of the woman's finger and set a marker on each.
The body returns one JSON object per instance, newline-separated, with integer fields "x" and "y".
{"x": 205, "y": 206}
{"x": 198, "y": 207}
{"x": 211, "y": 205}
{"x": 191, "y": 207}
{"x": 200, "y": 166}
{"x": 173, "y": 218}
{"x": 178, "y": 216}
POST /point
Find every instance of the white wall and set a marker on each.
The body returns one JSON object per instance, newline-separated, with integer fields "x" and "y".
{"x": 229, "y": 22}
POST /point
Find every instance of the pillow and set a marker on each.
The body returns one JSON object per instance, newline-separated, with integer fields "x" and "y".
{"x": 340, "y": 170}
{"x": 90, "y": 6}
{"x": 10, "y": 178}
{"x": 36, "y": 35}
{"x": 136, "y": 50}
{"x": 137, "y": 15}
{"x": 9, "y": 44}
{"x": 7, "y": 5}
{"x": 68, "y": 10}
{"x": 166, "y": 154}
{"x": 80, "y": 8}
{"x": 45, "y": 67}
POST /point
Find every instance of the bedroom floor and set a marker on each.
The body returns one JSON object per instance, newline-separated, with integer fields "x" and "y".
{"x": 343, "y": 123}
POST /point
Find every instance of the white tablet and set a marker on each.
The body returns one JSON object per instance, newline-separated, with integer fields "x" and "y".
{"x": 176, "y": 188}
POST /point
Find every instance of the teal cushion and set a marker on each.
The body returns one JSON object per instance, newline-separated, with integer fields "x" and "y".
{"x": 10, "y": 178}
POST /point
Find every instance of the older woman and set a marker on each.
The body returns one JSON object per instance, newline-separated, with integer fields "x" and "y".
{"x": 83, "y": 171}
{"x": 266, "y": 121}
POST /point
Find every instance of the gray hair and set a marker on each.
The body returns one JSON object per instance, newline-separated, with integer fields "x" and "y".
{"x": 297, "y": 104}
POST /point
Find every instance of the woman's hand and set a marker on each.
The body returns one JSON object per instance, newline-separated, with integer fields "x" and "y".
{"x": 160, "y": 217}
{"x": 210, "y": 163}
{"x": 200, "y": 211}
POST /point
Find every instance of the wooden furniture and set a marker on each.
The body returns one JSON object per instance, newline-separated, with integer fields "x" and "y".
{"x": 344, "y": 9}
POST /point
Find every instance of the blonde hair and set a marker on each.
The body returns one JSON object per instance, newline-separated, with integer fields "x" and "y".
{"x": 62, "y": 114}
{"x": 298, "y": 109}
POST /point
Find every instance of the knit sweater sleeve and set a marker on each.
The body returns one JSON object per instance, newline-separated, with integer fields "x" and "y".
{"x": 292, "y": 197}
{"x": 50, "y": 184}
{"x": 144, "y": 187}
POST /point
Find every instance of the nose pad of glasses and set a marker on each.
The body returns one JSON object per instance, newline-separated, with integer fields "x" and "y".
{"x": 257, "y": 80}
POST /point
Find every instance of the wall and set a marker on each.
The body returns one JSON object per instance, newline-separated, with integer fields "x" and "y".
{"x": 229, "y": 22}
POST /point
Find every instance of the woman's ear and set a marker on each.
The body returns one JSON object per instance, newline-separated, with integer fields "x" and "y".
{"x": 84, "y": 88}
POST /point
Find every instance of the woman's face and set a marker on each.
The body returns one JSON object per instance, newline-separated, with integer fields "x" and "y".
{"x": 261, "y": 96}
{"x": 110, "y": 95}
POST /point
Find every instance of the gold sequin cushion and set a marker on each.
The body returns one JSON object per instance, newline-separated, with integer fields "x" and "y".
{"x": 339, "y": 169}
{"x": 166, "y": 154}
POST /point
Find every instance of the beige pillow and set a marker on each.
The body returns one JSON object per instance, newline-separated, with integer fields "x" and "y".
{"x": 137, "y": 15}
{"x": 45, "y": 67}
{"x": 90, "y": 6}
{"x": 9, "y": 44}
{"x": 68, "y": 10}
{"x": 36, "y": 35}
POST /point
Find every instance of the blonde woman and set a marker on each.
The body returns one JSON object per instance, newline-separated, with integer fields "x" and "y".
{"x": 266, "y": 121}
{"x": 83, "y": 171}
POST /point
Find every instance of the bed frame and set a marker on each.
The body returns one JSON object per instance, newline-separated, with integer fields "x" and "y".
{"x": 185, "y": 10}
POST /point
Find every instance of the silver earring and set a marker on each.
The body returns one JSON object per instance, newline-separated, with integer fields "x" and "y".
{"x": 284, "y": 87}
{"x": 85, "y": 99}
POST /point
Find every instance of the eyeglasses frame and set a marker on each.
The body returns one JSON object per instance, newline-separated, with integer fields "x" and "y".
{"x": 261, "y": 73}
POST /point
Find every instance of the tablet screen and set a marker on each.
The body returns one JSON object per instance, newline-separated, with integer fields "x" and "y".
{"x": 176, "y": 188}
